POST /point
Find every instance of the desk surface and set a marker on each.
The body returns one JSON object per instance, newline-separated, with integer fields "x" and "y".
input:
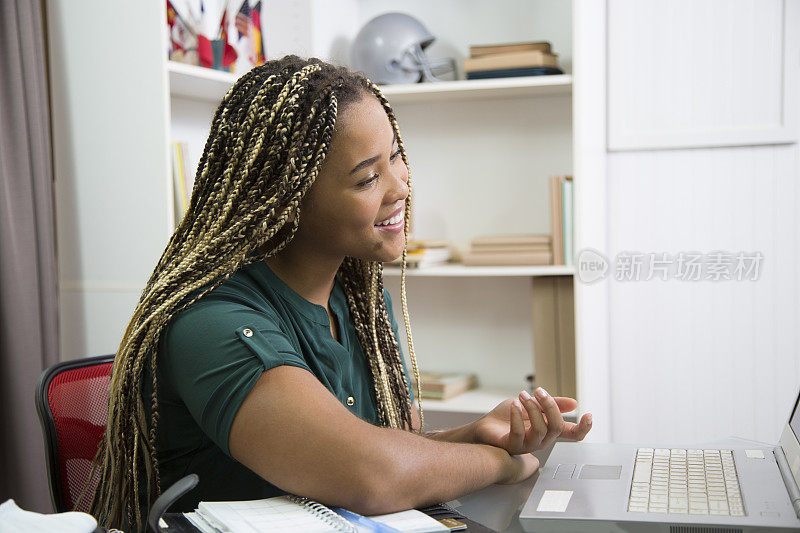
{"x": 498, "y": 506}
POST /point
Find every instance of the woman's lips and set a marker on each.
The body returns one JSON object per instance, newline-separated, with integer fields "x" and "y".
{"x": 392, "y": 228}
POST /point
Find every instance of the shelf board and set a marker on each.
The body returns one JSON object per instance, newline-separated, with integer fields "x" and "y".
{"x": 524, "y": 86}
{"x": 190, "y": 81}
{"x": 457, "y": 271}
{"x": 472, "y": 401}
{"x": 477, "y": 401}
{"x": 199, "y": 83}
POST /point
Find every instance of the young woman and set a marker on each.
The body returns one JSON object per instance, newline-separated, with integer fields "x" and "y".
{"x": 263, "y": 353}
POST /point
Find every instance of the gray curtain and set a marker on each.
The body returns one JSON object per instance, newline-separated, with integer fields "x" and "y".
{"x": 28, "y": 275}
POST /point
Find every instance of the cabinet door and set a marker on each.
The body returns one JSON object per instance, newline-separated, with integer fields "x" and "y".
{"x": 110, "y": 123}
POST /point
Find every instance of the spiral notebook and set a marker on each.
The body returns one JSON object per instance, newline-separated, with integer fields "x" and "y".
{"x": 292, "y": 513}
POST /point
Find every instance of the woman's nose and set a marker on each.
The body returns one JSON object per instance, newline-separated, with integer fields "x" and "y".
{"x": 399, "y": 184}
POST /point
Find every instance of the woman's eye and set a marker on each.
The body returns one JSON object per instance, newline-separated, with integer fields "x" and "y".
{"x": 394, "y": 155}
{"x": 369, "y": 181}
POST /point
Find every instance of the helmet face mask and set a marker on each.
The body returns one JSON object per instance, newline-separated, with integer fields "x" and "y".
{"x": 390, "y": 49}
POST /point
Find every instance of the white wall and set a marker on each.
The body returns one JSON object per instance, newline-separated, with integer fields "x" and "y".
{"x": 703, "y": 156}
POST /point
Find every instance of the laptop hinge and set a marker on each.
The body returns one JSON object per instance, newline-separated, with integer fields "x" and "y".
{"x": 788, "y": 479}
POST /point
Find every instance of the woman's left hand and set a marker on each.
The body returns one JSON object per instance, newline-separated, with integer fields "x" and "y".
{"x": 525, "y": 424}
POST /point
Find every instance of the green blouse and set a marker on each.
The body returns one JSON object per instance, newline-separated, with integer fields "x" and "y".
{"x": 212, "y": 353}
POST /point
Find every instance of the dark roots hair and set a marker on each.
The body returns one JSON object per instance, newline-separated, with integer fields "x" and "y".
{"x": 268, "y": 140}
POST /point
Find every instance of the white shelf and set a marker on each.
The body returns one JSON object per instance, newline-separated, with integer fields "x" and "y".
{"x": 473, "y": 401}
{"x": 524, "y": 86}
{"x": 478, "y": 401}
{"x": 456, "y": 270}
{"x": 200, "y": 83}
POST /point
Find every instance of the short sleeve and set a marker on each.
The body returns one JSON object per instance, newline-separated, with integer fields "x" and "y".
{"x": 387, "y": 297}
{"x": 213, "y": 353}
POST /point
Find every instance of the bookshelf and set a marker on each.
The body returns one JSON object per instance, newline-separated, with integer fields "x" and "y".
{"x": 520, "y": 119}
{"x": 487, "y": 143}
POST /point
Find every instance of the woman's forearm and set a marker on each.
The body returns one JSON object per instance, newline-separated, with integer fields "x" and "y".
{"x": 291, "y": 431}
{"x": 418, "y": 471}
{"x": 464, "y": 434}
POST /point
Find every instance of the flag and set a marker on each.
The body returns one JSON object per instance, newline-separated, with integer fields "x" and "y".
{"x": 229, "y": 55}
{"x": 258, "y": 43}
{"x": 171, "y": 16}
{"x": 243, "y": 20}
{"x": 182, "y": 39}
{"x": 204, "y": 51}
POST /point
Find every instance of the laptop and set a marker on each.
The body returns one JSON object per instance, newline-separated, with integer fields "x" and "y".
{"x": 720, "y": 489}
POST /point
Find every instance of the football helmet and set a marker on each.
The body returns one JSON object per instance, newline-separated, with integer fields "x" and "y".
{"x": 390, "y": 49}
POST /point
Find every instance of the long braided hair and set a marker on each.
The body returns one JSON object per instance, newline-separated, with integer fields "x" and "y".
{"x": 268, "y": 140}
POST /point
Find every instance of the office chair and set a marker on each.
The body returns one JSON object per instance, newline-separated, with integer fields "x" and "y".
{"x": 72, "y": 403}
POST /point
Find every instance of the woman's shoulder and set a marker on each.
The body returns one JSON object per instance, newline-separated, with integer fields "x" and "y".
{"x": 242, "y": 293}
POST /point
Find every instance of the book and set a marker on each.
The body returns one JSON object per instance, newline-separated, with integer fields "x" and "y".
{"x": 510, "y": 248}
{"x": 416, "y": 244}
{"x": 515, "y": 239}
{"x": 557, "y": 217}
{"x": 445, "y": 385}
{"x": 513, "y": 73}
{"x": 425, "y": 253}
{"x": 290, "y": 513}
{"x": 567, "y": 221}
{"x": 533, "y": 58}
{"x": 489, "y": 49}
{"x": 544, "y": 257}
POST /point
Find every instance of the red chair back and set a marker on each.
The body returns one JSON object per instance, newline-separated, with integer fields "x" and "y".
{"x": 72, "y": 402}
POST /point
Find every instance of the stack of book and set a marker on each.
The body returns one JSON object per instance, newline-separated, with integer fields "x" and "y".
{"x": 561, "y": 219}
{"x": 423, "y": 253}
{"x": 509, "y": 250}
{"x": 445, "y": 385}
{"x": 511, "y": 60}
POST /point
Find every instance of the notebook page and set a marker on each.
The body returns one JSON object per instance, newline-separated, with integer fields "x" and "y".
{"x": 270, "y": 514}
{"x": 411, "y": 521}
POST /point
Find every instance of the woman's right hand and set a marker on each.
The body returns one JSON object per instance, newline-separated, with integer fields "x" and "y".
{"x": 520, "y": 467}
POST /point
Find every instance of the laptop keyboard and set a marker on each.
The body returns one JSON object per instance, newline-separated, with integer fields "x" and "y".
{"x": 702, "y": 482}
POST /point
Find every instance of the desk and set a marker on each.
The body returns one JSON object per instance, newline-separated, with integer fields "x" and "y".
{"x": 498, "y": 506}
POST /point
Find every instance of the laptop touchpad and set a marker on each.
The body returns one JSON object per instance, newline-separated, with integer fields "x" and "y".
{"x": 600, "y": 472}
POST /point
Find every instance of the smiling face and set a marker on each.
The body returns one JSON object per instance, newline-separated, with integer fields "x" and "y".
{"x": 355, "y": 207}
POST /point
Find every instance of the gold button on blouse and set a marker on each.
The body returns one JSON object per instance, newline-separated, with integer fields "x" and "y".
{"x": 247, "y": 332}
{"x": 350, "y": 401}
